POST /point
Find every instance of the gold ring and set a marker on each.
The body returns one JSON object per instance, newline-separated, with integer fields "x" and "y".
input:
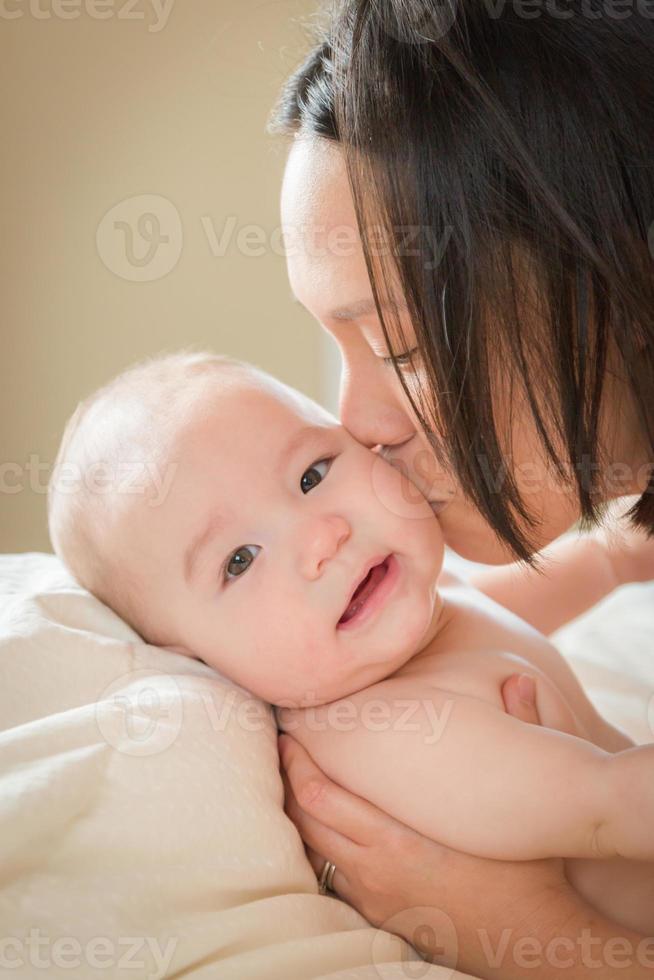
{"x": 326, "y": 879}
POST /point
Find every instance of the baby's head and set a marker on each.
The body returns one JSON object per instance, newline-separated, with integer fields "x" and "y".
{"x": 227, "y": 516}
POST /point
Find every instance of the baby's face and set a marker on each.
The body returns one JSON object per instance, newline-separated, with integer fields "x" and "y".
{"x": 274, "y": 517}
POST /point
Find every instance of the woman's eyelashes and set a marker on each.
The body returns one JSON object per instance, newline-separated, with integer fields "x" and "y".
{"x": 240, "y": 560}
{"x": 402, "y": 360}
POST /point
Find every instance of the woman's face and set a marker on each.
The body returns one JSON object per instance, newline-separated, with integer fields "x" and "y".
{"x": 328, "y": 276}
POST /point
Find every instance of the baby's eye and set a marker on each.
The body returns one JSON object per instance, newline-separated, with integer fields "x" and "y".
{"x": 240, "y": 560}
{"x": 313, "y": 476}
{"x": 402, "y": 360}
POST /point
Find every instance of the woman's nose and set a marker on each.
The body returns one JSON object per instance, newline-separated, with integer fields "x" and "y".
{"x": 320, "y": 540}
{"x": 371, "y": 411}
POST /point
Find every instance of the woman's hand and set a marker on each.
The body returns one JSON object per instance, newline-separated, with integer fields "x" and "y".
{"x": 368, "y": 847}
{"x": 391, "y": 874}
{"x": 454, "y": 908}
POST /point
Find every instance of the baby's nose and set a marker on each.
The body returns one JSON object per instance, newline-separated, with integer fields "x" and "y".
{"x": 320, "y": 540}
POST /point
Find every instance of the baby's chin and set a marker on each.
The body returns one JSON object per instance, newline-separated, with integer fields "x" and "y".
{"x": 315, "y": 694}
{"x": 376, "y": 669}
{"x": 342, "y": 687}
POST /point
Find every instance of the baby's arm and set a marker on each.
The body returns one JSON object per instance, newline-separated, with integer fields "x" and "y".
{"x": 579, "y": 570}
{"x": 466, "y": 774}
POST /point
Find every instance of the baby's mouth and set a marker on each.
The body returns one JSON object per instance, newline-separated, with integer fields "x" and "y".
{"x": 364, "y": 591}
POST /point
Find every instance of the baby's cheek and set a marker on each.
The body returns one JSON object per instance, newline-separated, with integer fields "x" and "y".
{"x": 428, "y": 537}
{"x": 395, "y": 494}
{"x": 304, "y": 658}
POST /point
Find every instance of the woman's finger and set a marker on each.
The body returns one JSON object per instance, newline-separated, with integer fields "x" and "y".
{"x": 519, "y": 694}
{"x": 329, "y": 803}
{"x": 340, "y": 884}
{"x": 321, "y": 843}
{"x": 323, "y": 840}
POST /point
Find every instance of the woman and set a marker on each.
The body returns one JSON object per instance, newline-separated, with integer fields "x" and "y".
{"x": 467, "y": 203}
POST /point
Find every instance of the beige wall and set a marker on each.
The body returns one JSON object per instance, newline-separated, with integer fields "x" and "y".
{"x": 97, "y": 112}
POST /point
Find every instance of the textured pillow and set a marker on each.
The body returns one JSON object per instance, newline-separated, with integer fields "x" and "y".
{"x": 142, "y": 830}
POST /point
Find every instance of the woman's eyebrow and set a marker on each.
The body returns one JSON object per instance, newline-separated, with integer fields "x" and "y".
{"x": 364, "y": 307}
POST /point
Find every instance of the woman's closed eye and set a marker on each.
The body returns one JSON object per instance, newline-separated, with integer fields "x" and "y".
{"x": 240, "y": 560}
{"x": 402, "y": 360}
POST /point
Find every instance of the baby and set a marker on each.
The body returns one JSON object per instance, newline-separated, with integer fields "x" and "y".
{"x": 250, "y": 530}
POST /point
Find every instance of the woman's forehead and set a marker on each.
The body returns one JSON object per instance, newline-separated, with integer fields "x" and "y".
{"x": 325, "y": 259}
{"x": 315, "y": 187}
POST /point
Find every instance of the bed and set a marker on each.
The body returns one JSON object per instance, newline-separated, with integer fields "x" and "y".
{"x": 142, "y": 830}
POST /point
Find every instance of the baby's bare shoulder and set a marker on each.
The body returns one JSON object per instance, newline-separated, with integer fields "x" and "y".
{"x": 389, "y": 703}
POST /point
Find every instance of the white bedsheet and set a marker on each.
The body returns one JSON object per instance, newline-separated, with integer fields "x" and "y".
{"x": 141, "y": 807}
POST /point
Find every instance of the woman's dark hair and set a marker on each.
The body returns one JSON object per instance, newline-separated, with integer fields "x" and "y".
{"x": 508, "y": 155}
